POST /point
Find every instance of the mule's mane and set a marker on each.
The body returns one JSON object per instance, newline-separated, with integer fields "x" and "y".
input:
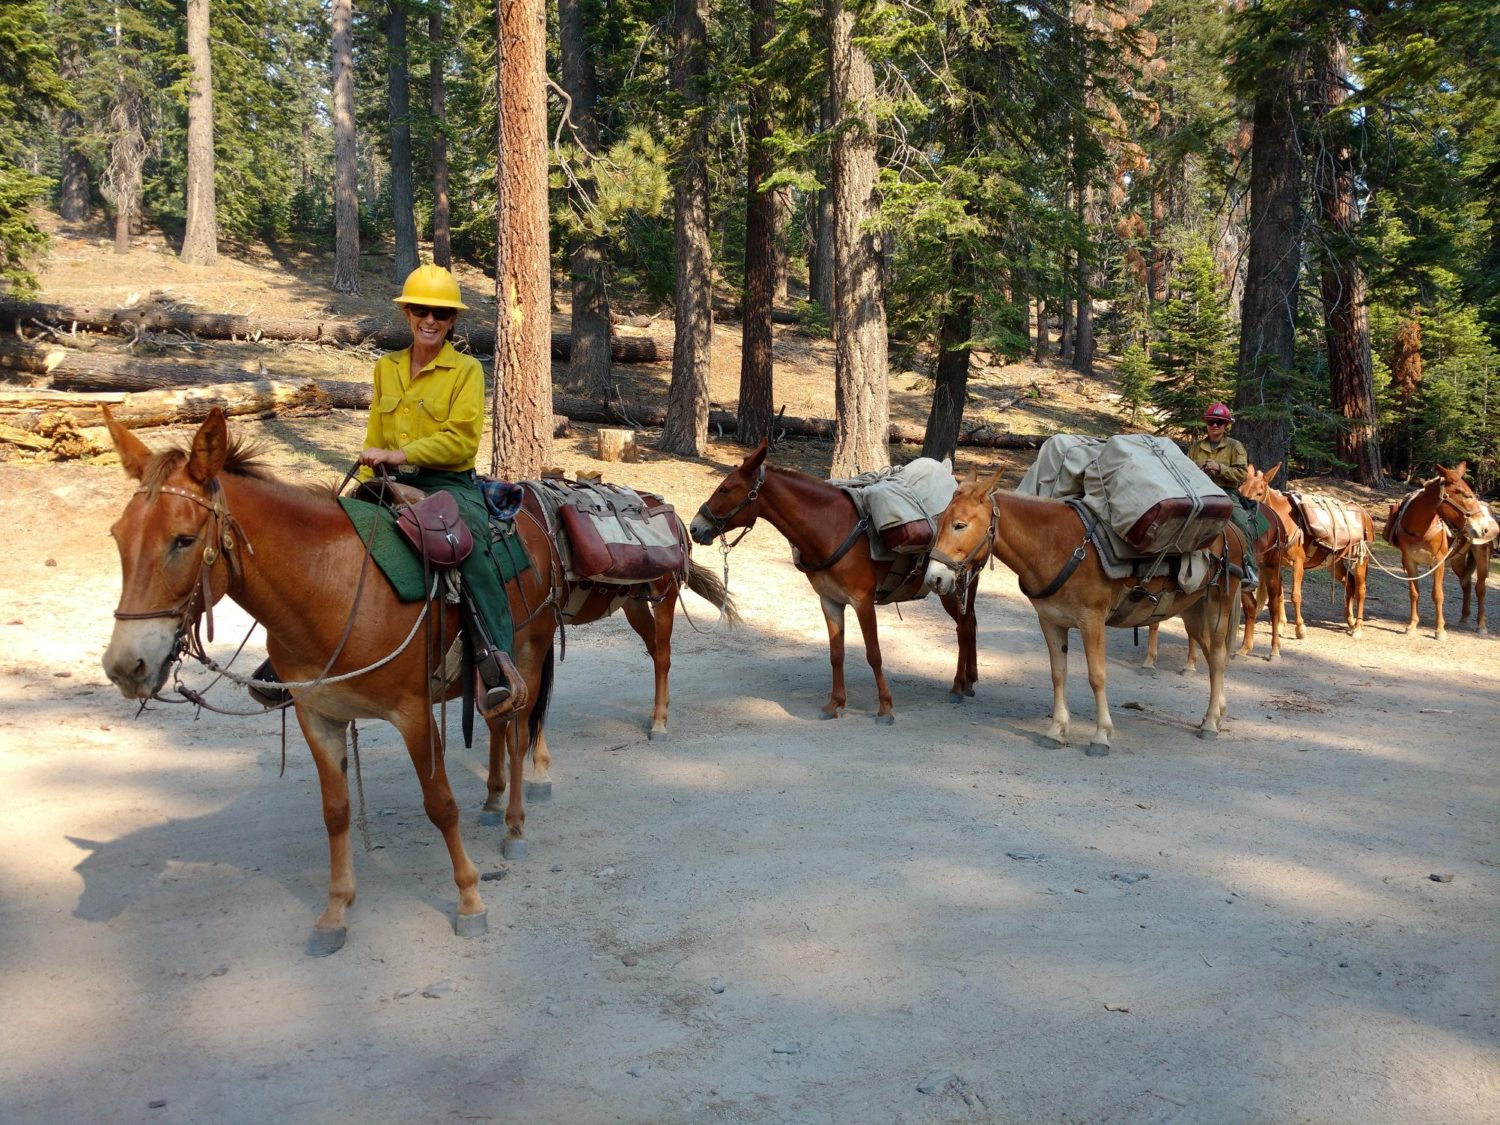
{"x": 243, "y": 459}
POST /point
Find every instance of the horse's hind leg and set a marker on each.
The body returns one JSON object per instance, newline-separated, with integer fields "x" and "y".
{"x": 1271, "y": 583}
{"x": 327, "y": 740}
{"x": 653, "y": 623}
{"x": 1094, "y": 648}
{"x": 424, "y": 743}
{"x": 1212, "y": 625}
{"x": 1481, "y": 557}
{"x": 864, "y": 611}
{"x": 1437, "y": 602}
{"x": 1299, "y": 567}
{"x": 1152, "y": 636}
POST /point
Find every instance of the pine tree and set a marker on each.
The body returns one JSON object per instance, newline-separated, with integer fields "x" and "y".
{"x": 1194, "y": 353}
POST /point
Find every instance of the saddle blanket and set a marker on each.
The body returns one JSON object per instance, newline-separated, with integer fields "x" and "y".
{"x": 901, "y": 504}
{"x": 401, "y": 564}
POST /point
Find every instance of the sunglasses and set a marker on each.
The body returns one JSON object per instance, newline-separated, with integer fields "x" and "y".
{"x": 422, "y": 312}
{"x": 1218, "y": 423}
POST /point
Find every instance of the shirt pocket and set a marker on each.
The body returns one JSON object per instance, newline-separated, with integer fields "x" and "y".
{"x": 387, "y": 404}
{"x": 436, "y": 407}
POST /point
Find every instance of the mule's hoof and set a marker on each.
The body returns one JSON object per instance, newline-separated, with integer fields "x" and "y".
{"x": 657, "y": 735}
{"x": 885, "y": 720}
{"x": 969, "y": 692}
{"x": 472, "y": 925}
{"x": 1208, "y": 734}
{"x": 1096, "y": 750}
{"x": 1274, "y": 657}
{"x": 1055, "y": 739}
{"x": 537, "y": 791}
{"x": 827, "y": 714}
{"x": 513, "y": 849}
{"x": 321, "y": 943}
{"x": 492, "y": 818}
{"x": 956, "y": 696}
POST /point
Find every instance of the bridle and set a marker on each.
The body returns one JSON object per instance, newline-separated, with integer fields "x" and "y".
{"x": 975, "y": 558}
{"x": 719, "y": 523}
{"x": 225, "y": 533}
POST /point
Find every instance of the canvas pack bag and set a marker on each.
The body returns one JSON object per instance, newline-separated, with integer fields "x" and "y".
{"x": 619, "y": 535}
{"x": 1153, "y": 495}
{"x": 902, "y": 503}
{"x": 1060, "y": 465}
{"x": 1330, "y": 522}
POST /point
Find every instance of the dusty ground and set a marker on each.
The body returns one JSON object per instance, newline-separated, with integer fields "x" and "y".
{"x": 767, "y": 918}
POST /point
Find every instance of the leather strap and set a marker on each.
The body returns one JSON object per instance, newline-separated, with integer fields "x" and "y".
{"x": 1079, "y": 554}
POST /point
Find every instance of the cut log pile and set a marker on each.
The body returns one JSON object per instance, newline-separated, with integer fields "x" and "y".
{"x": 51, "y": 390}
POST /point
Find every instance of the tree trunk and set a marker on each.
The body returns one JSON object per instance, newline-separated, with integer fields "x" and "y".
{"x": 781, "y": 273}
{"x": 820, "y": 244}
{"x": 1043, "y": 344}
{"x": 127, "y": 144}
{"x": 952, "y": 375}
{"x": 26, "y": 410}
{"x": 588, "y": 257}
{"x": 1065, "y": 334}
{"x": 521, "y": 414}
{"x": 73, "y": 182}
{"x": 861, "y": 393}
{"x": 1268, "y": 320}
{"x": 398, "y": 90}
{"x": 757, "y": 387}
{"x": 200, "y": 240}
{"x": 442, "y": 236}
{"x": 345, "y": 162}
{"x": 1346, "y": 317}
{"x": 1156, "y": 273}
{"x": 686, "y": 428}
{"x": 1083, "y": 341}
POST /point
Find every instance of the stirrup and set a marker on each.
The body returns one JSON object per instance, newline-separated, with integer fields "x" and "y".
{"x": 508, "y": 695}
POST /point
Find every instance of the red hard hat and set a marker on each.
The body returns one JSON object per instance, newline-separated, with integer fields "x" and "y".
{"x": 1218, "y": 412}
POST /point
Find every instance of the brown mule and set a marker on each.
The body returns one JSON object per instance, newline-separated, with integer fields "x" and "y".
{"x": 651, "y": 609}
{"x": 207, "y": 522}
{"x": 821, "y": 523}
{"x": 1044, "y": 541}
{"x": 1270, "y": 556}
{"x": 1418, "y": 526}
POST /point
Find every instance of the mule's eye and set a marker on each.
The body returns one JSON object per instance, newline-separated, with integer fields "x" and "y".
{"x": 959, "y": 525}
{"x": 183, "y": 542}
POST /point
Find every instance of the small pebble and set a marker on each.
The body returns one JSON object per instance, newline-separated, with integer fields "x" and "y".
{"x": 63, "y": 675}
{"x": 1025, "y": 855}
{"x": 787, "y": 1049}
{"x": 553, "y": 1009}
{"x": 603, "y": 871}
{"x": 936, "y": 1082}
{"x": 439, "y": 990}
{"x": 219, "y": 970}
{"x": 556, "y": 867}
{"x": 159, "y": 1103}
{"x": 403, "y": 993}
{"x": 1445, "y": 877}
{"x": 630, "y": 960}
{"x": 716, "y": 985}
{"x": 53, "y": 562}
{"x": 491, "y": 876}
{"x": 1128, "y": 876}
{"x": 636, "y": 1070}
{"x": 1116, "y": 1008}
{"x": 1134, "y": 706}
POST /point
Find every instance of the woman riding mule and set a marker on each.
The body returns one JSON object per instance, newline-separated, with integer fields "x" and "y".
{"x": 426, "y": 416}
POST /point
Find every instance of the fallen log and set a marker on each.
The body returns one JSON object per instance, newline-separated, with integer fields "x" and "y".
{"x": 36, "y": 410}
{"x": 230, "y": 326}
{"x": 727, "y": 422}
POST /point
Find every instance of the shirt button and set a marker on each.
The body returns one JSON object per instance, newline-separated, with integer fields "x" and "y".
{"x": 403, "y": 437}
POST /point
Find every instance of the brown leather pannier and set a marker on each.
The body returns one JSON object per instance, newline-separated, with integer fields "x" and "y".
{"x": 620, "y": 535}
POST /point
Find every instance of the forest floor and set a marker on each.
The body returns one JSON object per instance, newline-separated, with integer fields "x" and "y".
{"x": 767, "y": 917}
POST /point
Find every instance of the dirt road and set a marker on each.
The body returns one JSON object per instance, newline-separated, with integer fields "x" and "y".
{"x": 768, "y": 918}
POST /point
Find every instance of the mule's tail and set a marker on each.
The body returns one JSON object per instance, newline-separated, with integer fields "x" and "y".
{"x": 710, "y": 587}
{"x": 538, "y": 714}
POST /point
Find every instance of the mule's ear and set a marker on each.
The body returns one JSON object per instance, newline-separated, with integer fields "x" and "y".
{"x": 758, "y": 455}
{"x": 1461, "y": 469}
{"x": 994, "y": 480}
{"x": 210, "y": 447}
{"x": 132, "y": 450}
{"x": 1272, "y": 471}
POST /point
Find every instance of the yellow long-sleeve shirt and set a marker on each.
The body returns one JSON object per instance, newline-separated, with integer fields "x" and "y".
{"x": 436, "y": 415}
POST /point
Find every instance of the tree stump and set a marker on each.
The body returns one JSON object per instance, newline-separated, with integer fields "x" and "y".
{"x": 617, "y": 445}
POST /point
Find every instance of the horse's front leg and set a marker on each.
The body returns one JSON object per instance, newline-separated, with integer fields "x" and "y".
{"x": 1413, "y": 594}
{"x": 864, "y": 612}
{"x": 1481, "y": 573}
{"x": 327, "y": 738}
{"x": 1437, "y": 602}
{"x": 1250, "y": 603}
{"x": 1056, "y": 637}
{"x": 1094, "y": 650}
{"x": 424, "y": 744}
{"x": 1299, "y": 567}
{"x": 833, "y": 615}
{"x": 1271, "y": 583}
{"x": 653, "y": 624}
{"x": 962, "y": 612}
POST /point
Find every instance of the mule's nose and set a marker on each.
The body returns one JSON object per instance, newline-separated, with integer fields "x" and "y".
{"x": 129, "y": 675}
{"x": 701, "y": 532}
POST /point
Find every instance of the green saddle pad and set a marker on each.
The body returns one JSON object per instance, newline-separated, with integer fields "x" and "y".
{"x": 399, "y": 561}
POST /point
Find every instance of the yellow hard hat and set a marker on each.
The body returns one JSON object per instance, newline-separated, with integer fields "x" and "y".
{"x": 431, "y": 285}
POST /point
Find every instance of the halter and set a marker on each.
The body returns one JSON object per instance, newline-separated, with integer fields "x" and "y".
{"x": 986, "y": 543}
{"x": 719, "y": 523}
{"x": 226, "y": 533}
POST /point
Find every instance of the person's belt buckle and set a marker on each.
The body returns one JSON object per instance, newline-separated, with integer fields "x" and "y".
{"x": 407, "y": 470}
